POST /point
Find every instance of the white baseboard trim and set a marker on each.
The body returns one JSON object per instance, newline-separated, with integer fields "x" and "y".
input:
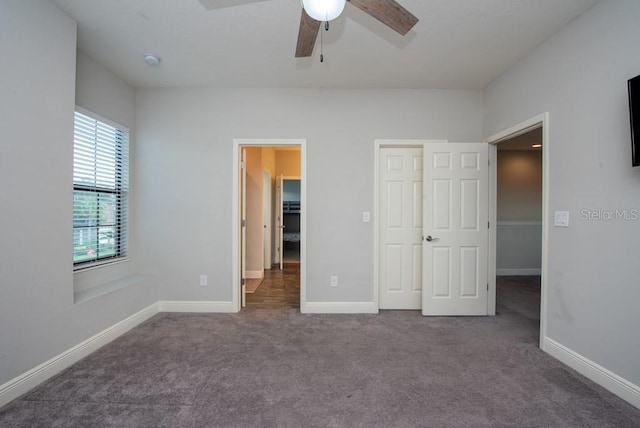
{"x": 339, "y": 308}
{"x": 28, "y": 380}
{"x": 518, "y": 272}
{"x": 254, "y": 274}
{"x": 621, "y": 387}
{"x": 518, "y": 223}
{"x": 200, "y": 307}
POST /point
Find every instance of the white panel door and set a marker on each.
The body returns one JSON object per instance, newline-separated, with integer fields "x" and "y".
{"x": 266, "y": 212}
{"x": 455, "y": 229}
{"x": 400, "y": 228}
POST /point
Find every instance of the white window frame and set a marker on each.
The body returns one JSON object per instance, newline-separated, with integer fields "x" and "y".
{"x": 120, "y": 190}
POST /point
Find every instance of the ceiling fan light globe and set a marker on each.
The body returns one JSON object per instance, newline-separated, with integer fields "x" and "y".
{"x": 323, "y": 10}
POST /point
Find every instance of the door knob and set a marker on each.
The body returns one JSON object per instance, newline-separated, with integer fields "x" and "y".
{"x": 429, "y": 238}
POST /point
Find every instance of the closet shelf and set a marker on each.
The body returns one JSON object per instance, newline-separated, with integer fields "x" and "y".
{"x": 290, "y": 207}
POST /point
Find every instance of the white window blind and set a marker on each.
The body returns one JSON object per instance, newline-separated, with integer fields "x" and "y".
{"x": 100, "y": 191}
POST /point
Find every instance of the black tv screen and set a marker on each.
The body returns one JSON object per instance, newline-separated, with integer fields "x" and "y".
{"x": 634, "y": 114}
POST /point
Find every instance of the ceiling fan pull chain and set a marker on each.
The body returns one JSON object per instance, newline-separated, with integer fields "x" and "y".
{"x": 321, "y": 45}
{"x": 326, "y": 28}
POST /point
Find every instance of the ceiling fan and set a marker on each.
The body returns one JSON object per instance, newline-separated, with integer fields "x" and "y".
{"x": 389, "y": 12}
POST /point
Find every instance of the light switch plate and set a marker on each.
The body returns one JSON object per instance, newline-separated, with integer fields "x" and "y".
{"x": 561, "y": 219}
{"x": 366, "y": 217}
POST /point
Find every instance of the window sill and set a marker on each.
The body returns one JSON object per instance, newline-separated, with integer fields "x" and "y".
{"x": 107, "y": 287}
{"x": 99, "y": 265}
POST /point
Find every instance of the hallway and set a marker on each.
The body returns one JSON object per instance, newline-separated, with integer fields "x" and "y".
{"x": 280, "y": 289}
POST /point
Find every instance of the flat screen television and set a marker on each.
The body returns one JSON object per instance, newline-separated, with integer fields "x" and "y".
{"x": 634, "y": 115}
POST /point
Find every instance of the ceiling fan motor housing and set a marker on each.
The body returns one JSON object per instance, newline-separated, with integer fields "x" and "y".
{"x": 323, "y": 10}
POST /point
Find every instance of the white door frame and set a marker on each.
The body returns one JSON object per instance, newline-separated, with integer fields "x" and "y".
{"x": 376, "y": 205}
{"x": 238, "y": 144}
{"x": 541, "y": 120}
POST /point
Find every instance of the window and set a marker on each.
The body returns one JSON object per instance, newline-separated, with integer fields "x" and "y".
{"x": 100, "y": 191}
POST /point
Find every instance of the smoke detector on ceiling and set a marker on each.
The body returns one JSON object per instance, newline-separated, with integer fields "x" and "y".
{"x": 151, "y": 59}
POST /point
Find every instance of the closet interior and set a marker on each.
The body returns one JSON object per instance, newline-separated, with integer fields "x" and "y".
{"x": 291, "y": 220}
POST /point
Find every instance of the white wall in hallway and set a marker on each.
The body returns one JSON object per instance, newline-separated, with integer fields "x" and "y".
{"x": 255, "y": 215}
{"x": 288, "y": 163}
{"x": 519, "y": 212}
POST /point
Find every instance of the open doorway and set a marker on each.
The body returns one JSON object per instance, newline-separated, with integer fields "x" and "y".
{"x": 263, "y": 276}
{"x": 519, "y": 224}
{"x": 290, "y": 221}
{"x": 518, "y": 203}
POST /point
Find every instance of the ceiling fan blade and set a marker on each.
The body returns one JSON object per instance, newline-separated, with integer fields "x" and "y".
{"x": 306, "y": 35}
{"x": 389, "y": 12}
{"x": 219, "y": 4}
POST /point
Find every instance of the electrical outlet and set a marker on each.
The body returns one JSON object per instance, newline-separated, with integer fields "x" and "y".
{"x": 203, "y": 280}
{"x": 334, "y": 281}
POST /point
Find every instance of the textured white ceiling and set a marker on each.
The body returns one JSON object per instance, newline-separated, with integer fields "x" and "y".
{"x": 458, "y": 44}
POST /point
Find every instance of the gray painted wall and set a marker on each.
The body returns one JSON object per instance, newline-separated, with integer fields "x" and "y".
{"x": 101, "y": 92}
{"x": 519, "y": 212}
{"x": 519, "y": 175}
{"x": 38, "y": 317}
{"x": 182, "y": 149}
{"x": 579, "y": 76}
{"x": 185, "y": 138}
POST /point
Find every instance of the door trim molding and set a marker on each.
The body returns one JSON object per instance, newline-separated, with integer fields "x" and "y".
{"x": 238, "y": 144}
{"x": 379, "y": 144}
{"x": 541, "y": 120}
